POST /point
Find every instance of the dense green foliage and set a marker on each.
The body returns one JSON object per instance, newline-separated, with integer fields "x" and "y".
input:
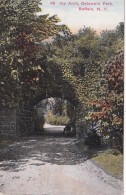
{"x": 108, "y": 109}
{"x": 91, "y": 63}
{"x": 21, "y": 36}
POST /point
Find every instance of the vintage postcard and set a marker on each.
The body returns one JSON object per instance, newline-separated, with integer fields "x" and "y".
{"x": 61, "y": 97}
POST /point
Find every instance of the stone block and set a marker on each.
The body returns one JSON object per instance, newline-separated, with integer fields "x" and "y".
{"x": 2, "y": 117}
{"x": 13, "y": 128}
{"x": 5, "y": 127}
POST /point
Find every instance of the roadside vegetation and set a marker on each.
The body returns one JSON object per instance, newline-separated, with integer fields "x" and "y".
{"x": 57, "y": 120}
{"x": 111, "y": 162}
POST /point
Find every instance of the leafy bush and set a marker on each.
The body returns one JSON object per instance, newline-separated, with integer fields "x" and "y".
{"x": 111, "y": 101}
{"x": 93, "y": 139}
{"x": 56, "y": 120}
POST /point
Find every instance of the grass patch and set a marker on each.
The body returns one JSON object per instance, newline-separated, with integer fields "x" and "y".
{"x": 112, "y": 164}
{"x": 5, "y": 141}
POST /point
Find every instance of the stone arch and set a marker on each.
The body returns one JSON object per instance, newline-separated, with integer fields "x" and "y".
{"x": 72, "y": 103}
{"x": 67, "y": 97}
{"x": 22, "y": 121}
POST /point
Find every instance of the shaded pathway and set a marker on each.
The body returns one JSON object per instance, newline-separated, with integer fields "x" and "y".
{"x": 52, "y": 147}
{"x": 52, "y": 165}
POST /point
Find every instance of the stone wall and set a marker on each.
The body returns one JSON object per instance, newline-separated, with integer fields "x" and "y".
{"x": 7, "y": 121}
{"x": 16, "y": 122}
{"x": 25, "y": 120}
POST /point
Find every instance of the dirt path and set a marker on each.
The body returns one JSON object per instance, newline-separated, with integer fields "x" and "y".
{"x": 52, "y": 165}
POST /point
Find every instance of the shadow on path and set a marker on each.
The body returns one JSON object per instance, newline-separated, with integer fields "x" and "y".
{"x": 52, "y": 147}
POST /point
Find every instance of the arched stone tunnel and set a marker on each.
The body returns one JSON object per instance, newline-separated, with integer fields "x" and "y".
{"x": 19, "y": 121}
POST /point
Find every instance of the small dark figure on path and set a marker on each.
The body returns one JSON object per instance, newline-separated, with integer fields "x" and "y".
{"x": 69, "y": 130}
